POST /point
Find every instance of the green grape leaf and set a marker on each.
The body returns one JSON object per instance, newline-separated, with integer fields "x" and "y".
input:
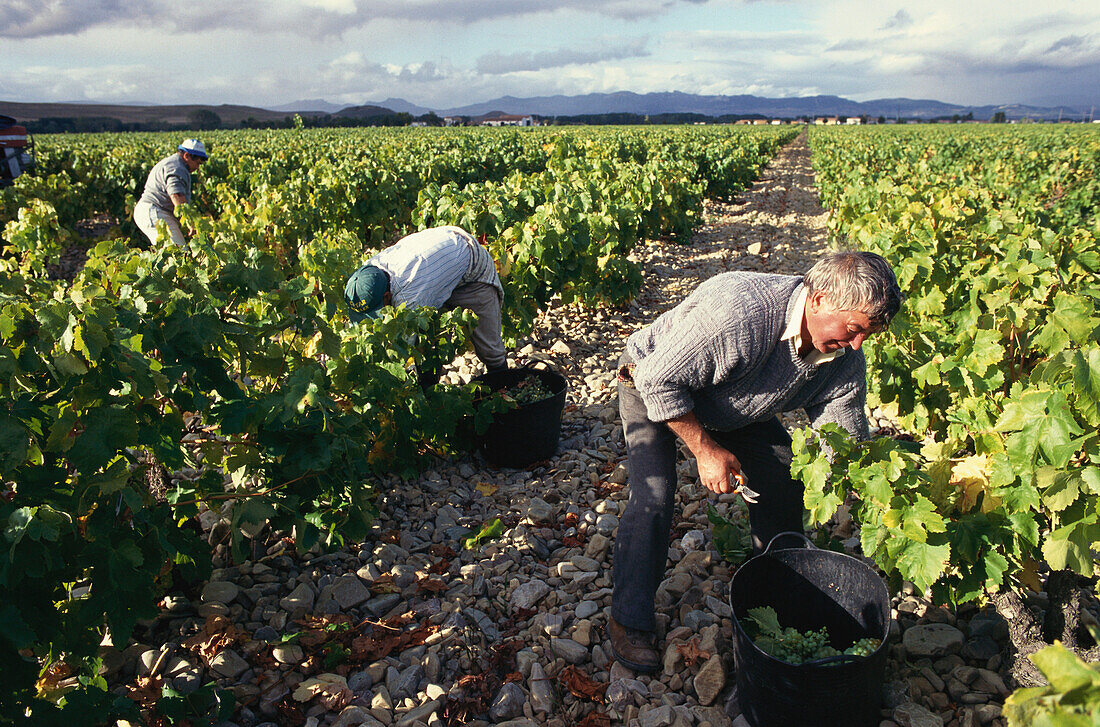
{"x": 14, "y": 629}
{"x": 1064, "y": 669}
{"x": 1071, "y": 321}
{"x": 921, "y": 518}
{"x": 922, "y": 563}
{"x": 996, "y": 565}
{"x": 1042, "y": 425}
{"x": 766, "y": 620}
{"x": 1086, "y": 381}
{"x": 1070, "y": 547}
{"x": 1024, "y": 525}
{"x": 492, "y": 529}
{"x": 1062, "y": 491}
{"x": 14, "y": 438}
{"x": 1090, "y": 479}
{"x": 107, "y": 430}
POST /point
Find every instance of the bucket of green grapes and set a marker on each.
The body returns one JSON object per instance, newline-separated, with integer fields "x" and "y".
{"x": 528, "y": 430}
{"x": 810, "y": 628}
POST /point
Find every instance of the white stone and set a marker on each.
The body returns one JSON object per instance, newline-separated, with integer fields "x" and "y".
{"x": 528, "y": 594}
{"x": 932, "y": 640}
{"x": 914, "y": 715}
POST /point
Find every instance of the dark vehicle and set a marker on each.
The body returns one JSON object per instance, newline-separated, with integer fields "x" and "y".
{"x": 16, "y": 151}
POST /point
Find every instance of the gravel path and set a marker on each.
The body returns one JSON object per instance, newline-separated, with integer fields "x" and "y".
{"x": 409, "y": 628}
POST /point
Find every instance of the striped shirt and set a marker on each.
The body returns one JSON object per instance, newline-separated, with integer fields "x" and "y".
{"x": 426, "y": 267}
{"x": 720, "y": 353}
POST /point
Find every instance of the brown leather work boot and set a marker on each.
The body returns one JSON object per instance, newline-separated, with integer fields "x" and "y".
{"x": 632, "y": 648}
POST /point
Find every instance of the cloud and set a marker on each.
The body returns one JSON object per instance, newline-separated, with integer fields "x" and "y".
{"x": 501, "y": 63}
{"x": 266, "y": 52}
{"x": 900, "y": 19}
{"x": 119, "y": 83}
{"x": 34, "y": 18}
{"x": 724, "y": 43}
{"x": 314, "y": 18}
{"x": 1073, "y": 42}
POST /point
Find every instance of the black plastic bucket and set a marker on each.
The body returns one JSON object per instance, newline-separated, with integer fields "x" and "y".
{"x": 809, "y": 588}
{"x": 529, "y": 433}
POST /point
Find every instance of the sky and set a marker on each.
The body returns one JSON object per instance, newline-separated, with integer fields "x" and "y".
{"x": 447, "y": 53}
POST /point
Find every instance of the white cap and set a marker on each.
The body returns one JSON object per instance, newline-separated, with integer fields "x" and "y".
{"x": 193, "y": 147}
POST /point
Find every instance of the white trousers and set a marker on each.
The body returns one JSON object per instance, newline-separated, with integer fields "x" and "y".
{"x": 147, "y": 215}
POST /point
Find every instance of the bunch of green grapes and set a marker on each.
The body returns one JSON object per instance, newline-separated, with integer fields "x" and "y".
{"x": 798, "y": 647}
{"x": 527, "y": 390}
{"x": 863, "y": 647}
{"x": 795, "y": 647}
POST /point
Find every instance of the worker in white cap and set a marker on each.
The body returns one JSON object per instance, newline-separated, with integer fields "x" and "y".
{"x": 168, "y": 186}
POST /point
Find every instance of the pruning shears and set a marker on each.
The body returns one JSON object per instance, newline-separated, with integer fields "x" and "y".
{"x": 741, "y": 487}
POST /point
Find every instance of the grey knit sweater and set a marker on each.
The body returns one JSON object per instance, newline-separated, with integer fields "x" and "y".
{"x": 719, "y": 354}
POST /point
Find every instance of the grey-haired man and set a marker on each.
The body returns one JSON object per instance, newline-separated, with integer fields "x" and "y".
{"x": 715, "y": 372}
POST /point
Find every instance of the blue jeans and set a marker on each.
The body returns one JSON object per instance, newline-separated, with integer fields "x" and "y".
{"x": 641, "y": 545}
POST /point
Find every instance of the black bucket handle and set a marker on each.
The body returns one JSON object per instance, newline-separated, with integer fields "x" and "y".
{"x": 777, "y": 536}
{"x": 533, "y": 362}
{"x": 534, "y": 359}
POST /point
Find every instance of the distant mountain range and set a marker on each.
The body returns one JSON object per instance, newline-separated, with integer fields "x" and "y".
{"x": 549, "y": 106}
{"x": 134, "y": 113}
{"x": 744, "y": 105}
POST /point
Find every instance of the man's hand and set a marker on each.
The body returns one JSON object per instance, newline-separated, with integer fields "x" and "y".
{"x": 719, "y": 470}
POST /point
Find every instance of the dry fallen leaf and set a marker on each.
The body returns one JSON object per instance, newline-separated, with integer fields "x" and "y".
{"x": 431, "y": 585}
{"x": 383, "y": 584}
{"x": 692, "y": 653}
{"x": 580, "y": 685}
{"x": 440, "y": 568}
{"x": 331, "y": 688}
{"x": 372, "y": 648}
{"x": 442, "y": 551}
{"x": 486, "y": 489}
{"x": 49, "y": 680}
{"x": 218, "y": 633}
{"x": 146, "y": 690}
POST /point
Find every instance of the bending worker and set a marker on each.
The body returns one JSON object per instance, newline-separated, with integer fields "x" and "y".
{"x": 168, "y": 186}
{"x": 714, "y": 372}
{"x": 441, "y": 267}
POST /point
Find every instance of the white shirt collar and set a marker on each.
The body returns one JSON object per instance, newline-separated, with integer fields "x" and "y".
{"x": 793, "y": 332}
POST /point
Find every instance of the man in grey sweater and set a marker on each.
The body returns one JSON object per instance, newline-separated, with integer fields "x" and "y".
{"x": 715, "y": 372}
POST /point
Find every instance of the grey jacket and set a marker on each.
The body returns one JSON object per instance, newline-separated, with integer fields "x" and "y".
{"x": 719, "y": 354}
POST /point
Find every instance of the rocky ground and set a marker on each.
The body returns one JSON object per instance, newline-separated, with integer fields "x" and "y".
{"x": 410, "y": 628}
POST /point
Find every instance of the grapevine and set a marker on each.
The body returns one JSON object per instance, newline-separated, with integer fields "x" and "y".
{"x": 997, "y": 377}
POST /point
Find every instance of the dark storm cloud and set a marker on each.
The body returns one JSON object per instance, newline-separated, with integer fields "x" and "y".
{"x": 499, "y": 63}
{"x": 34, "y": 18}
{"x": 1079, "y": 54}
{"x": 37, "y": 18}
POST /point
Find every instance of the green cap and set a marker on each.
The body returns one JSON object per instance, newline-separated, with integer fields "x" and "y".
{"x": 364, "y": 292}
